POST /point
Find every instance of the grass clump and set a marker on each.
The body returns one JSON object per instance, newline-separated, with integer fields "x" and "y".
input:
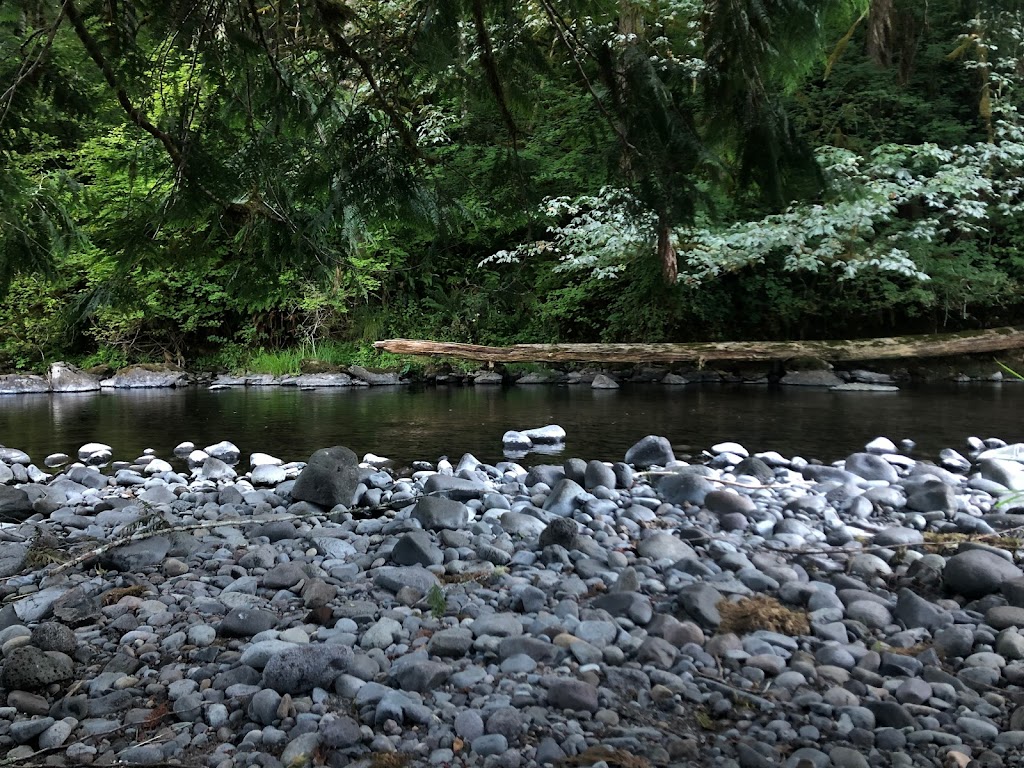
{"x": 749, "y": 614}
{"x": 608, "y": 755}
{"x": 947, "y": 542}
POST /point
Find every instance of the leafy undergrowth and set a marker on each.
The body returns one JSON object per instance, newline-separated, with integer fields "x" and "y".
{"x": 749, "y": 614}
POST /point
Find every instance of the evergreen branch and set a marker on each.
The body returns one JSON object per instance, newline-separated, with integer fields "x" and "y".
{"x": 329, "y": 16}
{"x": 8, "y": 96}
{"x": 552, "y": 17}
{"x": 141, "y": 120}
{"x": 490, "y": 66}
{"x": 261, "y": 37}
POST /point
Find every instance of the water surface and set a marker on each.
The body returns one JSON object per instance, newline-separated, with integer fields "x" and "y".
{"x": 406, "y": 423}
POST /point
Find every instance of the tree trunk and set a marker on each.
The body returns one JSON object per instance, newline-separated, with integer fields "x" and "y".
{"x": 931, "y": 345}
{"x": 667, "y": 254}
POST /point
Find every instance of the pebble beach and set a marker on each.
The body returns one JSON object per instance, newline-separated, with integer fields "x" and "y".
{"x": 744, "y": 609}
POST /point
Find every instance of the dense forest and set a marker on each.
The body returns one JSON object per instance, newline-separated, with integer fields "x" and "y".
{"x": 214, "y": 181}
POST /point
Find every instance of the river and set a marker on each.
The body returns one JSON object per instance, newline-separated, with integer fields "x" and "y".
{"x": 407, "y": 423}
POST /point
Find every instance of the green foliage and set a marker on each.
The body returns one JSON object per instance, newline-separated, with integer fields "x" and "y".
{"x": 247, "y": 186}
{"x": 35, "y": 323}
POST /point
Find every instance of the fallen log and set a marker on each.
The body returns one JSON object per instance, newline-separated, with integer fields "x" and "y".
{"x": 928, "y": 345}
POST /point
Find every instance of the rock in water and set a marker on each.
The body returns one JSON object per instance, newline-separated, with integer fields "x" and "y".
{"x": 225, "y": 451}
{"x": 549, "y": 435}
{"x": 65, "y": 377}
{"x": 329, "y": 478}
{"x": 139, "y": 377}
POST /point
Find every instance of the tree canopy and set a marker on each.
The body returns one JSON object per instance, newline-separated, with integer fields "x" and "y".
{"x": 197, "y": 179}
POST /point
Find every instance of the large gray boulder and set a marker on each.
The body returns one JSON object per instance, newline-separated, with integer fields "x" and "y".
{"x": 145, "y": 377}
{"x": 20, "y": 384}
{"x": 373, "y": 378}
{"x": 65, "y": 377}
{"x": 329, "y": 478}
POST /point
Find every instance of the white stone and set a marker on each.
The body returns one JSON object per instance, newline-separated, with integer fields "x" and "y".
{"x": 196, "y": 459}
{"x": 1013, "y": 452}
{"x": 91, "y": 449}
{"x": 881, "y": 445}
{"x": 736, "y": 448}
{"x": 268, "y": 474}
{"x": 56, "y": 460}
{"x": 552, "y": 433}
{"x": 157, "y": 466}
{"x": 259, "y": 459}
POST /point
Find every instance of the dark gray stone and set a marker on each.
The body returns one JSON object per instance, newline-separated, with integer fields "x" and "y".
{"x": 700, "y": 602}
{"x": 871, "y": 467}
{"x": 976, "y": 573}
{"x": 575, "y": 695}
{"x": 15, "y": 505}
{"x": 246, "y": 622}
{"x": 304, "y": 667}
{"x": 419, "y": 675}
{"x": 684, "y": 488}
{"x": 932, "y": 496}
{"x": 538, "y": 650}
{"x": 329, "y": 478}
{"x": 51, "y": 636}
{"x": 284, "y": 575}
{"x": 727, "y": 502}
{"x": 437, "y": 513}
{"x": 339, "y": 731}
{"x": 890, "y": 714}
{"x": 564, "y": 497}
{"x": 914, "y": 611}
{"x": 562, "y": 532}
{"x": 652, "y": 451}
{"x": 575, "y": 470}
{"x": 416, "y": 548}
{"x": 898, "y": 536}
{"x": 28, "y": 668}
{"x": 597, "y": 473}
{"x": 633, "y": 605}
{"x": 137, "y": 555}
{"x": 263, "y": 706}
{"x": 457, "y": 488}
{"x": 756, "y": 468}
{"x": 76, "y": 606}
{"x": 1005, "y": 616}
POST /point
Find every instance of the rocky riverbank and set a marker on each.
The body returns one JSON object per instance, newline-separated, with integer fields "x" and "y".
{"x": 753, "y": 611}
{"x": 885, "y": 376}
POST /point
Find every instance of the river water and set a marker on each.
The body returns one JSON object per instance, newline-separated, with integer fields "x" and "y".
{"x": 407, "y": 423}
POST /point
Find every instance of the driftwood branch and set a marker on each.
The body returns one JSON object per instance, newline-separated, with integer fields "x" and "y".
{"x": 895, "y": 347}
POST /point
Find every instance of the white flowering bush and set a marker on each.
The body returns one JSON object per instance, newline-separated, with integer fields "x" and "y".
{"x": 881, "y": 211}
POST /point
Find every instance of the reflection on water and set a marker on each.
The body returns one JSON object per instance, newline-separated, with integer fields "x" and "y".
{"x": 408, "y": 423}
